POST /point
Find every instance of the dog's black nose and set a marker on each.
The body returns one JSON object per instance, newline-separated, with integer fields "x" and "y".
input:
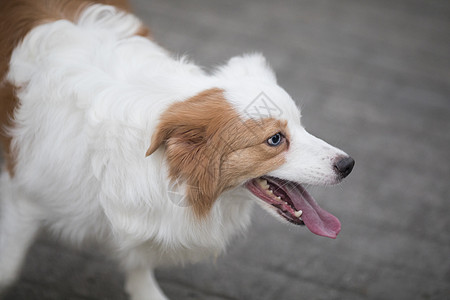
{"x": 344, "y": 166}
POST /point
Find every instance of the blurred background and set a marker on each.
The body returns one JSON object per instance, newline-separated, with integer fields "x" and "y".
{"x": 373, "y": 78}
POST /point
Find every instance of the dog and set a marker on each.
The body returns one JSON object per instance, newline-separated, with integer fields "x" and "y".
{"x": 109, "y": 138}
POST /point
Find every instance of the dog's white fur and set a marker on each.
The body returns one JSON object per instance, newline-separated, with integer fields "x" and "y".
{"x": 91, "y": 94}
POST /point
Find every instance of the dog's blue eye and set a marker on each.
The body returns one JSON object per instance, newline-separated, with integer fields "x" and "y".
{"x": 275, "y": 140}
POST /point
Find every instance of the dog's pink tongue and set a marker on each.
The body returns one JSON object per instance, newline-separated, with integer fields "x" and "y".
{"x": 318, "y": 220}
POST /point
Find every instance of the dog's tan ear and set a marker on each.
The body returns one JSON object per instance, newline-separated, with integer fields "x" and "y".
{"x": 161, "y": 134}
{"x": 192, "y": 132}
{"x": 186, "y": 119}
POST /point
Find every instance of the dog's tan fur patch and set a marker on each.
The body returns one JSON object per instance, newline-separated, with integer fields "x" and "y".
{"x": 211, "y": 149}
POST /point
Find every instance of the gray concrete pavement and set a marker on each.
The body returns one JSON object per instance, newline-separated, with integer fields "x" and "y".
{"x": 372, "y": 77}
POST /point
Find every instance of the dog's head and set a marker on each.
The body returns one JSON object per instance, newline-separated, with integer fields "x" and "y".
{"x": 246, "y": 132}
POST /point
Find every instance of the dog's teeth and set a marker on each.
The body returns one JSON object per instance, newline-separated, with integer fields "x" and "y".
{"x": 279, "y": 198}
{"x": 298, "y": 213}
{"x": 263, "y": 183}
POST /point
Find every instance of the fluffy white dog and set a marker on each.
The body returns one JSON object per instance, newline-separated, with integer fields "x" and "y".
{"x": 108, "y": 138}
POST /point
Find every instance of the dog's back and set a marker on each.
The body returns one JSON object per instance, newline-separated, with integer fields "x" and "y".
{"x": 17, "y": 19}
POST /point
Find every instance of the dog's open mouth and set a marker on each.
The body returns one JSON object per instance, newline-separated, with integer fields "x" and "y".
{"x": 295, "y": 204}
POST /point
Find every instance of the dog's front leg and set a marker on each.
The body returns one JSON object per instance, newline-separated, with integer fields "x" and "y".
{"x": 141, "y": 285}
{"x": 19, "y": 225}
